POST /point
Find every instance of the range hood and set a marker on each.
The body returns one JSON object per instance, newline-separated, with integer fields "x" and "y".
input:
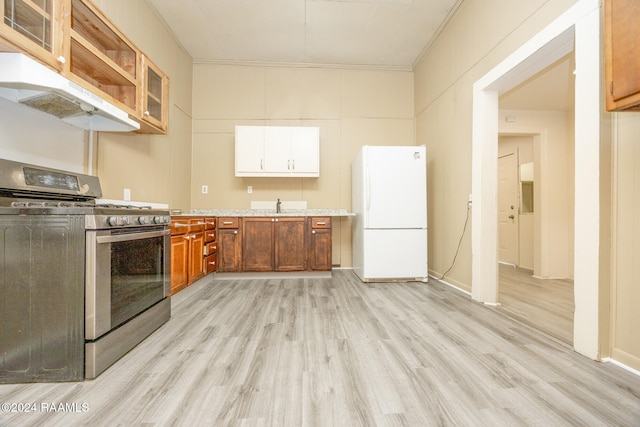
{"x": 30, "y": 83}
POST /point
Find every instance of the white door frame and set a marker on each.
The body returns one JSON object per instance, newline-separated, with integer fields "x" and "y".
{"x": 580, "y": 25}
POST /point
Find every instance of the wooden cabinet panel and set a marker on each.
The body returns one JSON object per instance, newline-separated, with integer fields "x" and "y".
{"x": 622, "y": 54}
{"x": 257, "y": 244}
{"x": 179, "y": 263}
{"x": 229, "y": 245}
{"x": 289, "y": 237}
{"x": 196, "y": 242}
{"x": 320, "y": 244}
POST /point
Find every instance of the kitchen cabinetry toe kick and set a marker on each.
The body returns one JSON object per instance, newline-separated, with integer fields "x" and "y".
{"x": 273, "y": 275}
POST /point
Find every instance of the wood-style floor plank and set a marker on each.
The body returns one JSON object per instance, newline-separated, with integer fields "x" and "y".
{"x": 544, "y": 304}
{"x": 339, "y": 352}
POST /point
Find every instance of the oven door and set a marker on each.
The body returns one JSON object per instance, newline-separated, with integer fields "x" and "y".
{"x": 128, "y": 271}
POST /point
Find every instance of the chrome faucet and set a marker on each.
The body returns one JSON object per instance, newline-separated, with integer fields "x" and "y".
{"x": 278, "y": 206}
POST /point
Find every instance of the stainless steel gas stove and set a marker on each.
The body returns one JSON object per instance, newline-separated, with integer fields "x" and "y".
{"x": 82, "y": 283}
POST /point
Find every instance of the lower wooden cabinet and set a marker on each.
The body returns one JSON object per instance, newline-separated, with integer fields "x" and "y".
{"x": 320, "y": 246}
{"x": 187, "y": 248}
{"x": 257, "y": 244}
{"x": 230, "y": 245}
{"x": 179, "y": 263}
{"x": 210, "y": 251}
{"x": 290, "y": 243}
{"x": 262, "y": 244}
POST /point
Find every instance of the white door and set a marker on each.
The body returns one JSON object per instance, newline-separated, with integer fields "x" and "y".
{"x": 304, "y": 150}
{"x": 277, "y": 148}
{"x": 249, "y": 149}
{"x": 508, "y": 209}
{"x": 395, "y": 187}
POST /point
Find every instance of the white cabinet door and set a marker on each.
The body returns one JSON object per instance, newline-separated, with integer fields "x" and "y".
{"x": 249, "y": 150}
{"x": 305, "y": 150}
{"x": 277, "y": 149}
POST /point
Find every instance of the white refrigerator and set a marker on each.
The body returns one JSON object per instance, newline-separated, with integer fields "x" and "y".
{"x": 389, "y": 198}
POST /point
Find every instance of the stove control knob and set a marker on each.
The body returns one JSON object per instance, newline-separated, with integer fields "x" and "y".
{"x": 143, "y": 220}
{"x": 158, "y": 220}
{"x": 125, "y": 220}
{"x": 114, "y": 221}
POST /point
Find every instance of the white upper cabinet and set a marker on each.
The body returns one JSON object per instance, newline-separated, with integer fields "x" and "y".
{"x": 277, "y": 151}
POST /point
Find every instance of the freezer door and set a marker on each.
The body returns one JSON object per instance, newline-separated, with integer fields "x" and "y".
{"x": 393, "y": 254}
{"x": 395, "y": 188}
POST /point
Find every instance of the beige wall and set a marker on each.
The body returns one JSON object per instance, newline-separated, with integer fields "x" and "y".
{"x": 479, "y": 36}
{"x": 625, "y": 296}
{"x": 155, "y": 167}
{"x": 352, "y": 108}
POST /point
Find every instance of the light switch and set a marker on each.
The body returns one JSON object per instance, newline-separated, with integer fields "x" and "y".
{"x": 205, "y": 189}
{"x": 249, "y": 189}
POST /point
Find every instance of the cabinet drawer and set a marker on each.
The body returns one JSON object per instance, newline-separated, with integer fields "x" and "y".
{"x": 209, "y": 223}
{"x": 230, "y": 222}
{"x": 210, "y": 263}
{"x": 210, "y": 248}
{"x": 321, "y": 222}
{"x": 209, "y": 235}
{"x": 196, "y": 225}
{"x": 179, "y": 225}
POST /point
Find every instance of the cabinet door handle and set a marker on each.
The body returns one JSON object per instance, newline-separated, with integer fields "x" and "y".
{"x": 235, "y": 231}
{"x": 261, "y": 164}
{"x": 187, "y": 237}
{"x": 313, "y": 232}
{"x": 293, "y": 163}
{"x": 193, "y": 237}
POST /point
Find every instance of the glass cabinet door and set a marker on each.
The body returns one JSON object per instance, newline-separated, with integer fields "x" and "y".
{"x": 33, "y": 26}
{"x": 155, "y": 95}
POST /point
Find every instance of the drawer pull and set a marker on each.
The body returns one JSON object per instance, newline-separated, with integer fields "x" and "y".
{"x": 227, "y": 222}
{"x": 211, "y": 234}
{"x": 321, "y": 223}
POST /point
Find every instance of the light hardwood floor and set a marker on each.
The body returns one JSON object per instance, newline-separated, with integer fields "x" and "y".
{"x": 338, "y": 352}
{"x": 544, "y": 304}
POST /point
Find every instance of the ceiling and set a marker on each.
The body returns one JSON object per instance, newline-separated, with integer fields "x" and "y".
{"x": 380, "y": 33}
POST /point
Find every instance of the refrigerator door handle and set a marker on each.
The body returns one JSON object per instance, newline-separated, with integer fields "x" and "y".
{"x": 368, "y": 196}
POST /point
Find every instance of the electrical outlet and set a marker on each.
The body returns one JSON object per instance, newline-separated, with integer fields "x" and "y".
{"x": 470, "y": 199}
{"x": 250, "y": 189}
{"x": 205, "y": 189}
{"x": 127, "y": 194}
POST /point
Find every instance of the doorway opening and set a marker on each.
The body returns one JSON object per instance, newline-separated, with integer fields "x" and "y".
{"x": 535, "y": 200}
{"x": 578, "y": 29}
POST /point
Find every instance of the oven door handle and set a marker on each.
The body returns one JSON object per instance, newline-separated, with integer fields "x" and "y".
{"x": 133, "y": 236}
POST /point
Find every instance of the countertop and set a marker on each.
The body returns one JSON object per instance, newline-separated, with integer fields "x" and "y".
{"x": 268, "y": 212}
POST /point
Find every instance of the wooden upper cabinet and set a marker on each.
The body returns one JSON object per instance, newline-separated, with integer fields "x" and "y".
{"x": 34, "y": 27}
{"x": 75, "y": 38}
{"x": 622, "y": 54}
{"x": 155, "y": 97}
{"x": 102, "y": 56}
